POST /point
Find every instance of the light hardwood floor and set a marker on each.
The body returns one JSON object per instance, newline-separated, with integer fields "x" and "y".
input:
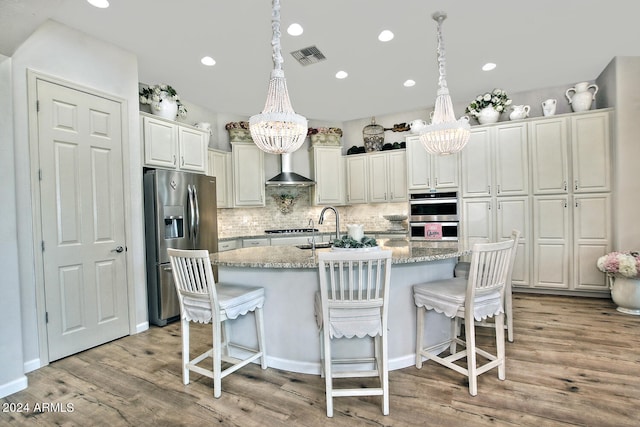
{"x": 575, "y": 362}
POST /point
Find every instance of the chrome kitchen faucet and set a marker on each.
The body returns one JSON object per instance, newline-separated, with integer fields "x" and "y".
{"x": 335, "y": 211}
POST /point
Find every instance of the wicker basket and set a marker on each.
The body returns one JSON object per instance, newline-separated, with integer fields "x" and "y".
{"x": 240, "y": 135}
{"x": 325, "y": 139}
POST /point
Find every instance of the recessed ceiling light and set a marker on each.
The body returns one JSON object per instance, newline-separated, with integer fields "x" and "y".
{"x": 385, "y": 36}
{"x": 207, "y": 60}
{"x": 409, "y": 83}
{"x": 341, "y": 75}
{"x": 295, "y": 30}
{"x": 488, "y": 66}
{"x": 102, "y": 4}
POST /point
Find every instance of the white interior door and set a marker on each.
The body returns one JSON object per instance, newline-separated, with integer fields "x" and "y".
{"x": 82, "y": 217}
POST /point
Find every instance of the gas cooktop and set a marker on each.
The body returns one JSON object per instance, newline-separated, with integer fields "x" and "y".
{"x": 291, "y": 230}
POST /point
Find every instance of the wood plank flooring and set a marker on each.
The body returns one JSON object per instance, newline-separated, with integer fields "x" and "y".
{"x": 575, "y": 362}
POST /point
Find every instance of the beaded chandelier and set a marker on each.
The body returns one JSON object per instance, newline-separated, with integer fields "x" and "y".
{"x": 278, "y": 129}
{"x": 444, "y": 135}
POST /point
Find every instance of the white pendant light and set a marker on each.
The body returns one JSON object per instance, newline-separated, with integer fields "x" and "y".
{"x": 445, "y": 135}
{"x": 278, "y": 129}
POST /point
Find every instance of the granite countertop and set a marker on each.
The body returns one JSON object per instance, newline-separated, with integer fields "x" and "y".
{"x": 318, "y": 233}
{"x": 404, "y": 252}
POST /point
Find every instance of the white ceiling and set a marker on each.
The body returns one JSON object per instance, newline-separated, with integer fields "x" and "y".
{"x": 536, "y": 44}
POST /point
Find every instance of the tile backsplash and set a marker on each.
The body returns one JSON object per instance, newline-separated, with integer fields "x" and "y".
{"x": 253, "y": 221}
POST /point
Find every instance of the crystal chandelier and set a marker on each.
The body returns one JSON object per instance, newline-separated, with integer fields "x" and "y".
{"x": 278, "y": 129}
{"x": 445, "y": 134}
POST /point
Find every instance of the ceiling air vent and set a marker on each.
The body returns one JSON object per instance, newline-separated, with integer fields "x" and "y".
{"x": 308, "y": 55}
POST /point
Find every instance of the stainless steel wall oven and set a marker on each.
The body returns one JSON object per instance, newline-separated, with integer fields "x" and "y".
{"x": 434, "y": 216}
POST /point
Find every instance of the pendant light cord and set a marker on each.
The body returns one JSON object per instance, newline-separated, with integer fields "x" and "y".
{"x": 275, "y": 40}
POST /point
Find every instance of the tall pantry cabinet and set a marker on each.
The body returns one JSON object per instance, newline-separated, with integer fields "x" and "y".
{"x": 549, "y": 177}
{"x": 495, "y": 190}
{"x": 571, "y": 176}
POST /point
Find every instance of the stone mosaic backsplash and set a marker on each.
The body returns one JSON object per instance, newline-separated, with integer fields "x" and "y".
{"x": 253, "y": 221}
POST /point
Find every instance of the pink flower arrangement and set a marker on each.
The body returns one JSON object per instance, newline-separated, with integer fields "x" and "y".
{"x": 626, "y": 264}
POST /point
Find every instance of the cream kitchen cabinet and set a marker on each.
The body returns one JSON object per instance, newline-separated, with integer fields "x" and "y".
{"x": 549, "y": 155}
{"x": 171, "y": 145}
{"x": 591, "y": 152}
{"x": 356, "y": 182}
{"x": 491, "y": 219}
{"x": 248, "y": 174}
{"x": 227, "y": 245}
{"x": 387, "y": 179}
{"x": 495, "y": 161}
{"x": 591, "y": 239}
{"x": 219, "y": 165}
{"x": 429, "y": 172}
{"x": 570, "y": 234}
{"x": 585, "y": 139}
{"x": 328, "y": 172}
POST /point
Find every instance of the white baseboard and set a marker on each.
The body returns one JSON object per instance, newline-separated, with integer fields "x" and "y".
{"x": 13, "y": 386}
{"x": 141, "y": 327}
{"x": 32, "y": 365}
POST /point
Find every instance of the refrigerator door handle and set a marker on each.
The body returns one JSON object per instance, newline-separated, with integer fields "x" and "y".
{"x": 196, "y": 222}
{"x": 192, "y": 213}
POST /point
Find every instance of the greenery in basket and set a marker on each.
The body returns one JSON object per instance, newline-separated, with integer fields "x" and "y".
{"x": 497, "y": 99}
{"x": 327, "y": 131}
{"x": 625, "y": 264}
{"x": 236, "y": 125}
{"x": 349, "y": 242}
{"x": 154, "y": 95}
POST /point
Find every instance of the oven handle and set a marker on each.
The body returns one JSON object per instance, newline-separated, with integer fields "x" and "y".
{"x": 433, "y": 201}
{"x": 446, "y": 224}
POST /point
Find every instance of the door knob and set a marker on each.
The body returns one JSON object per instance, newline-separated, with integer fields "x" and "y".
{"x": 118, "y": 249}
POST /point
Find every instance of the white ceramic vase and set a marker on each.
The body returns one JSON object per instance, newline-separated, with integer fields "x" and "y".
{"x": 166, "y": 108}
{"x": 488, "y": 115}
{"x": 581, "y": 99}
{"x": 625, "y": 293}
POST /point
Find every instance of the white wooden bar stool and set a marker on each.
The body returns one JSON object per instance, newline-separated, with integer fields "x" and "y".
{"x": 353, "y": 303}
{"x": 462, "y": 270}
{"x": 204, "y": 301}
{"x": 476, "y": 298}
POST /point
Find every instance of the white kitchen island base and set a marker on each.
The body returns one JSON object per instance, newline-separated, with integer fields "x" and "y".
{"x": 292, "y": 341}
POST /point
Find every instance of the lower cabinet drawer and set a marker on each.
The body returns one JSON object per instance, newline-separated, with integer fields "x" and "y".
{"x": 252, "y": 243}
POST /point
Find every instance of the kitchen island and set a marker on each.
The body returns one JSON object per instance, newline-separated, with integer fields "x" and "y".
{"x": 289, "y": 276}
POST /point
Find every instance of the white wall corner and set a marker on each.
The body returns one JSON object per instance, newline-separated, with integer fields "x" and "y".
{"x": 32, "y": 365}
{"x": 141, "y": 327}
{"x": 13, "y": 386}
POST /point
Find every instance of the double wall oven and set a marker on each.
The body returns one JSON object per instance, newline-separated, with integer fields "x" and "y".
{"x": 434, "y": 216}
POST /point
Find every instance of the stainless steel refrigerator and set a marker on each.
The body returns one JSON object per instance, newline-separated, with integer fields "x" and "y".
{"x": 180, "y": 212}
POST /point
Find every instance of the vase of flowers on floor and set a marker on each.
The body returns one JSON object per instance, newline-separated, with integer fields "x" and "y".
{"x": 164, "y": 101}
{"x": 487, "y": 108}
{"x": 623, "y": 273}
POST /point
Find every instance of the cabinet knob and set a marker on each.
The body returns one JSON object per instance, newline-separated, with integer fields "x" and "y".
{"x": 576, "y": 184}
{"x": 174, "y": 160}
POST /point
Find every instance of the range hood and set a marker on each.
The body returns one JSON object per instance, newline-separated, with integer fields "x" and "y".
{"x": 287, "y": 176}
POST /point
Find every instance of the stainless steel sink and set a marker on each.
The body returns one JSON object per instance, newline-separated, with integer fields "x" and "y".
{"x": 318, "y": 245}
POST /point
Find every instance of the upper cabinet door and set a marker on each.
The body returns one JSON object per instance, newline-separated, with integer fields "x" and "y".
{"x": 378, "y": 177}
{"x": 248, "y": 174}
{"x": 549, "y": 156}
{"x": 192, "y": 146}
{"x": 418, "y": 165}
{"x": 160, "y": 143}
{"x": 511, "y": 156}
{"x": 397, "y": 168}
{"x": 328, "y": 172}
{"x": 357, "y": 178}
{"x": 476, "y": 164}
{"x": 591, "y": 153}
{"x": 445, "y": 171}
